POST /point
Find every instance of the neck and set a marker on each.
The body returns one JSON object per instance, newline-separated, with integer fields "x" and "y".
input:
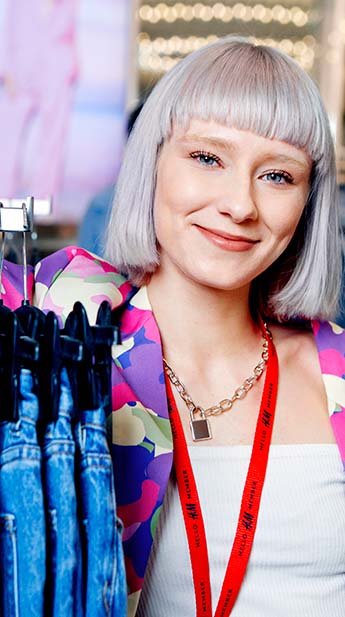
{"x": 196, "y": 321}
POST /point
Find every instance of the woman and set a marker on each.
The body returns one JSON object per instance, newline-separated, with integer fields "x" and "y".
{"x": 226, "y": 210}
{"x": 226, "y": 219}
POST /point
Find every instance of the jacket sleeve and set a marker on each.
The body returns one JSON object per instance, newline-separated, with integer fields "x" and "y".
{"x": 64, "y": 277}
{"x": 12, "y": 284}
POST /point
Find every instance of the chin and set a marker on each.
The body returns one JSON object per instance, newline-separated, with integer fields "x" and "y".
{"x": 218, "y": 282}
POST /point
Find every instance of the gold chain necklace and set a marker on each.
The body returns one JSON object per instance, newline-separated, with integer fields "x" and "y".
{"x": 200, "y": 428}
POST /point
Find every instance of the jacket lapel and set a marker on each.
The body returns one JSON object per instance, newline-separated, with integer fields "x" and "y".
{"x": 142, "y": 440}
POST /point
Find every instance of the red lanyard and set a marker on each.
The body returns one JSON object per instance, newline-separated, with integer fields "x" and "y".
{"x": 250, "y": 503}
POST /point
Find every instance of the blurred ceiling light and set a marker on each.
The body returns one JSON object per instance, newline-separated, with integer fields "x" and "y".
{"x": 278, "y": 12}
{"x": 286, "y": 45}
{"x": 309, "y": 40}
{"x": 239, "y": 10}
{"x": 248, "y": 14}
{"x": 258, "y": 12}
{"x": 299, "y": 18}
{"x": 198, "y": 9}
{"x": 145, "y": 12}
{"x": 208, "y": 15}
{"x": 188, "y": 13}
{"x": 228, "y": 14}
{"x": 170, "y": 14}
{"x": 285, "y": 17}
{"x": 299, "y": 48}
{"x": 219, "y": 10}
{"x": 267, "y": 16}
{"x": 179, "y": 9}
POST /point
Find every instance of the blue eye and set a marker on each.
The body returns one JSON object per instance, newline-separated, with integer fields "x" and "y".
{"x": 278, "y": 177}
{"x": 206, "y": 158}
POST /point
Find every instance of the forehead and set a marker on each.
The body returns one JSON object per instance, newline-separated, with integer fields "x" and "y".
{"x": 220, "y": 136}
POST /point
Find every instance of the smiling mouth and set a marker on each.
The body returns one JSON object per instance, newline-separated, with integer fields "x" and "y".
{"x": 227, "y": 241}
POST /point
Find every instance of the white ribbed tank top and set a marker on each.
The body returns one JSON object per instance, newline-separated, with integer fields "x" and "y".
{"x": 297, "y": 564}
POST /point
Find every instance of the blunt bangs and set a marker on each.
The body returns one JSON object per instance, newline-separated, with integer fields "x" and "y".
{"x": 248, "y": 88}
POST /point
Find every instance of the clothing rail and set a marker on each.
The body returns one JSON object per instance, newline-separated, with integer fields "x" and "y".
{"x": 57, "y": 494}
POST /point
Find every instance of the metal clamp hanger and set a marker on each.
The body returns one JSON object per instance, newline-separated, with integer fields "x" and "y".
{"x": 17, "y": 349}
{"x": 43, "y": 207}
{"x": 17, "y": 219}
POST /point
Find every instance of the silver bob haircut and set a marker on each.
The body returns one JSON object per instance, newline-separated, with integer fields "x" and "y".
{"x": 259, "y": 89}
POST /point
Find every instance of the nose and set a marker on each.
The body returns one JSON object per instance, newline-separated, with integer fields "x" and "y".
{"x": 238, "y": 199}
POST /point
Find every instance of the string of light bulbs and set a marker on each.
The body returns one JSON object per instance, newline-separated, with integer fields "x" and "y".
{"x": 225, "y": 13}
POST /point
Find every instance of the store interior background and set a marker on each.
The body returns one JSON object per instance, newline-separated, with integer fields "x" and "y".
{"x": 156, "y": 35}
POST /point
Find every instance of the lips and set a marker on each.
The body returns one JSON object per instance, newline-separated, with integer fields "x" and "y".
{"x": 226, "y": 241}
{"x": 224, "y": 234}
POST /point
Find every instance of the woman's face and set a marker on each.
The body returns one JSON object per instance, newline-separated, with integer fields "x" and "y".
{"x": 227, "y": 202}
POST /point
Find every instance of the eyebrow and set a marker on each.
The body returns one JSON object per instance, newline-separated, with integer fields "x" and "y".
{"x": 213, "y": 141}
{"x": 284, "y": 158}
{"x": 225, "y": 144}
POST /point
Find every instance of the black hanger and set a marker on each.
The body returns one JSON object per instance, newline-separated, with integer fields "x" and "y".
{"x": 9, "y": 384}
{"x": 17, "y": 351}
{"x": 105, "y": 335}
{"x": 31, "y": 319}
{"x": 86, "y": 391}
{"x": 56, "y": 350}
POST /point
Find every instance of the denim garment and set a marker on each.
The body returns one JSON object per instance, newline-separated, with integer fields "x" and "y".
{"x": 22, "y": 522}
{"x": 104, "y": 574}
{"x": 63, "y": 588}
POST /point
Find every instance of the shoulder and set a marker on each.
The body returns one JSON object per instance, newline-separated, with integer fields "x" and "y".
{"x": 299, "y": 333}
{"x": 292, "y": 339}
{"x": 74, "y": 274}
{"x": 302, "y": 345}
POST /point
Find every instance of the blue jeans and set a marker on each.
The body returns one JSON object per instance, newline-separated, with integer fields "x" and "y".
{"x": 104, "y": 574}
{"x": 63, "y": 586}
{"x": 22, "y": 521}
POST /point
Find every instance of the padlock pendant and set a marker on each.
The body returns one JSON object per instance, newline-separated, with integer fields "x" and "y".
{"x": 200, "y": 429}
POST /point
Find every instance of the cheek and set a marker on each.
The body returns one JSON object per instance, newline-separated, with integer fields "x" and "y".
{"x": 165, "y": 207}
{"x": 285, "y": 221}
{"x": 177, "y": 194}
{"x": 286, "y": 229}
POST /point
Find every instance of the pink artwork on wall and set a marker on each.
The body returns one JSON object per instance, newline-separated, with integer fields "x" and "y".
{"x": 63, "y": 72}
